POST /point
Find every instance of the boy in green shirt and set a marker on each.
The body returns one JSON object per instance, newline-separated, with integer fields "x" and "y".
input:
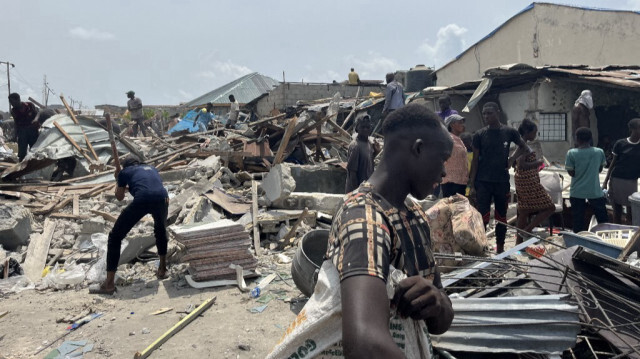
{"x": 584, "y": 163}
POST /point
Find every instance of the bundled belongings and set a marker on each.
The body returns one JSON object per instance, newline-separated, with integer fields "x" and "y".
{"x": 213, "y": 247}
{"x": 456, "y": 227}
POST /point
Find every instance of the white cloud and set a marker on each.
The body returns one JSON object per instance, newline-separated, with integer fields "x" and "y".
{"x": 449, "y": 44}
{"x": 185, "y": 95}
{"x": 633, "y": 4}
{"x": 91, "y": 34}
{"x": 225, "y": 69}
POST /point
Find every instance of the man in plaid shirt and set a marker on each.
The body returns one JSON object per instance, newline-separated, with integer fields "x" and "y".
{"x": 379, "y": 226}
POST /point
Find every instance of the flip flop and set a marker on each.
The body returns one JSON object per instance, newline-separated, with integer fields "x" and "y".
{"x": 164, "y": 276}
{"x": 99, "y": 289}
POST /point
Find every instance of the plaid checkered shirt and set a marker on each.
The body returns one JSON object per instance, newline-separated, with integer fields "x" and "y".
{"x": 368, "y": 235}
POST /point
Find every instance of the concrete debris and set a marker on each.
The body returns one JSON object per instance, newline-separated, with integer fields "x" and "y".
{"x": 15, "y": 226}
{"x": 278, "y": 184}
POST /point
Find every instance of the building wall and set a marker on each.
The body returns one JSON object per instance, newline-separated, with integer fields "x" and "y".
{"x": 551, "y": 34}
{"x": 294, "y": 92}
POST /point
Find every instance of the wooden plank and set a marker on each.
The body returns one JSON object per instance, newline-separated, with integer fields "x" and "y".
{"x": 254, "y": 216}
{"x": 339, "y": 129}
{"x": 62, "y": 204}
{"x": 68, "y": 216}
{"x": 76, "y": 205}
{"x": 176, "y": 328}
{"x": 228, "y": 202}
{"x": 75, "y": 120}
{"x": 48, "y": 207}
{"x": 164, "y": 164}
{"x": 286, "y": 240}
{"x": 285, "y": 140}
{"x": 105, "y": 215}
{"x": 72, "y": 141}
{"x": 37, "y": 252}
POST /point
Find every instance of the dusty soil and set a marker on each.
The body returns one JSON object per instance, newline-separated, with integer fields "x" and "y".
{"x": 220, "y": 332}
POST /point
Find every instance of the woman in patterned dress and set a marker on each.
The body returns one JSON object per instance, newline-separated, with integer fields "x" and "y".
{"x": 533, "y": 199}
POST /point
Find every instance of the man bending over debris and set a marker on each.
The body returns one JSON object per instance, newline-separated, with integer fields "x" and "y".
{"x": 149, "y": 197}
{"x": 361, "y": 154}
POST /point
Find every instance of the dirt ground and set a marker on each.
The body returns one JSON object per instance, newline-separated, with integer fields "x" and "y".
{"x": 220, "y": 332}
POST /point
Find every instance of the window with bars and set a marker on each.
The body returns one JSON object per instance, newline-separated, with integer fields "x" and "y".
{"x": 552, "y": 127}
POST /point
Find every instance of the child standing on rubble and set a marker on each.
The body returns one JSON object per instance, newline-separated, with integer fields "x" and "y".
{"x": 584, "y": 164}
{"x": 361, "y": 154}
{"x": 149, "y": 197}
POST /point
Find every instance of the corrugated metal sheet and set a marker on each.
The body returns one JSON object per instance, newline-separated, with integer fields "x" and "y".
{"x": 543, "y": 324}
{"x": 245, "y": 89}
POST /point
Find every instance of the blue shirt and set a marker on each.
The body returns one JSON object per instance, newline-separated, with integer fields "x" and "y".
{"x": 444, "y": 114}
{"x": 145, "y": 184}
{"x": 586, "y": 162}
{"x": 204, "y": 117}
{"x": 394, "y": 96}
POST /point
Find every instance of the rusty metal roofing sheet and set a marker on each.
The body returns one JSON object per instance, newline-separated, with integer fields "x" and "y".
{"x": 542, "y": 324}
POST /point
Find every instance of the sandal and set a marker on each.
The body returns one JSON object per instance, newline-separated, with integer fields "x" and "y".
{"x": 163, "y": 276}
{"x": 99, "y": 289}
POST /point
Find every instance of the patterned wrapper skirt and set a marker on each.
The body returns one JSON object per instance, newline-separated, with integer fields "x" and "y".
{"x": 620, "y": 190}
{"x": 531, "y": 195}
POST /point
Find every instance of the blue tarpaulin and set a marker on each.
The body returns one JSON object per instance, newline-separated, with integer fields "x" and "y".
{"x": 186, "y": 123}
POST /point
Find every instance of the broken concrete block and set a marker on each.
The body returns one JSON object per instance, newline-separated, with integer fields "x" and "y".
{"x": 319, "y": 178}
{"x": 94, "y": 225}
{"x": 136, "y": 246}
{"x": 211, "y": 162}
{"x": 322, "y": 202}
{"x": 15, "y": 226}
{"x": 179, "y": 175}
{"x": 278, "y": 183}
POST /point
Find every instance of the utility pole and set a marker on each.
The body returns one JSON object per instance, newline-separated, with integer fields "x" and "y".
{"x": 8, "y": 79}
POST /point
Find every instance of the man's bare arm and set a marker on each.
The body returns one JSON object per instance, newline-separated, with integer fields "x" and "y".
{"x": 365, "y": 319}
{"x": 120, "y": 193}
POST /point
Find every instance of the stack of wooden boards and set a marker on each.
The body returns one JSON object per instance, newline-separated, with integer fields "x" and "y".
{"x": 211, "y": 248}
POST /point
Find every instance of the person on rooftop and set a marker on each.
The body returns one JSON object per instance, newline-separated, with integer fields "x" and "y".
{"x": 354, "y": 79}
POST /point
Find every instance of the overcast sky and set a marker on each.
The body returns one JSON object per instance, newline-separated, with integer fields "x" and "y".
{"x": 173, "y": 51}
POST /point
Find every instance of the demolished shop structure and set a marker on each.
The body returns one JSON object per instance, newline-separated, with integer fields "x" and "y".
{"x": 546, "y": 94}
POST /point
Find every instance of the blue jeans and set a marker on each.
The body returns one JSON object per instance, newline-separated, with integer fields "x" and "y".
{"x": 578, "y": 207}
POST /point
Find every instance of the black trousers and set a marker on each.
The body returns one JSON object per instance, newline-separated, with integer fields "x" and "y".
{"x": 27, "y": 137}
{"x": 498, "y": 193}
{"x": 449, "y": 189}
{"x": 131, "y": 215}
{"x": 139, "y": 122}
{"x": 578, "y": 207}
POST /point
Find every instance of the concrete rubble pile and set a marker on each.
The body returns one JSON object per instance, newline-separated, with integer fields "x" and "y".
{"x": 296, "y": 159}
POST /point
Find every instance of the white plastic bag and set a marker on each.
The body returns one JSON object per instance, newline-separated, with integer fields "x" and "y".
{"x": 317, "y": 330}
{"x": 72, "y": 274}
{"x": 98, "y": 272}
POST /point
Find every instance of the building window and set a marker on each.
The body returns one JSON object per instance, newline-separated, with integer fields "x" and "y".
{"x": 552, "y": 127}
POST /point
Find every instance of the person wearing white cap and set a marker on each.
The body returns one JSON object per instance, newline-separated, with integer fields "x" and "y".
{"x": 456, "y": 166}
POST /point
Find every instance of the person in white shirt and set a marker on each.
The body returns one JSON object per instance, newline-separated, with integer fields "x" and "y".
{"x": 233, "y": 112}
